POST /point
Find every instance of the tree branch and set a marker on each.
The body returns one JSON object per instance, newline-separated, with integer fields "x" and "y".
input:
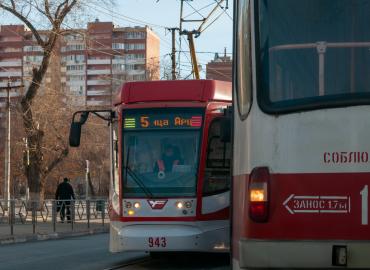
{"x": 67, "y": 8}
{"x": 56, "y": 161}
{"x": 13, "y": 4}
{"x": 59, "y": 7}
{"x": 47, "y": 11}
{"x": 25, "y": 21}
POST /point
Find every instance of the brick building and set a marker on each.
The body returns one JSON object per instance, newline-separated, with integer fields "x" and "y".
{"x": 87, "y": 64}
{"x": 220, "y": 68}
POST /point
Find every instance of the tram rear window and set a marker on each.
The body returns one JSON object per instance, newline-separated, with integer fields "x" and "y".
{"x": 313, "y": 54}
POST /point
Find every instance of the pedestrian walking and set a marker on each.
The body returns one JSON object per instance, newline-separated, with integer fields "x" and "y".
{"x": 64, "y": 194}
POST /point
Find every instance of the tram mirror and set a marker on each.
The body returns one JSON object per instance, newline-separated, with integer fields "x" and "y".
{"x": 225, "y": 129}
{"x": 75, "y": 134}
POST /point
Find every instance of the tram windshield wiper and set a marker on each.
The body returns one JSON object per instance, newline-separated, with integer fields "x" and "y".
{"x": 134, "y": 177}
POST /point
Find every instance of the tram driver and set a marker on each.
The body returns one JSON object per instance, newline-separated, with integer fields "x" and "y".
{"x": 170, "y": 157}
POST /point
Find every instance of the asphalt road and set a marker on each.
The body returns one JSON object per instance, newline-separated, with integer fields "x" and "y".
{"x": 91, "y": 252}
{"x": 88, "y": 252}
{"x": 184, "y": 261}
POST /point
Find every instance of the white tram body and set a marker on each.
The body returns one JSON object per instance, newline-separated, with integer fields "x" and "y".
{"x": 301, "y": 167}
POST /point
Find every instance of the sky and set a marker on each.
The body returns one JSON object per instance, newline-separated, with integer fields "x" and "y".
{"x": 167, "y": 13}
{"x": 159, "y": 14}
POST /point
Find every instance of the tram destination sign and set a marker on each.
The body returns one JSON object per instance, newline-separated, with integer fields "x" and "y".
{"x": 182, "y": 120}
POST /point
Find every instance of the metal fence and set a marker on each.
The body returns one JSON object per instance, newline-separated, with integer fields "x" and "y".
{"x": 25, "y": 217}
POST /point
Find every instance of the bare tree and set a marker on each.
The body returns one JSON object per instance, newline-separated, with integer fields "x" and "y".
{"x": 55, "y": 12}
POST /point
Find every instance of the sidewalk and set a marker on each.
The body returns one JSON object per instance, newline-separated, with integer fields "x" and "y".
{"x": 21, "y": 225}
{"x": 45, "y": 231}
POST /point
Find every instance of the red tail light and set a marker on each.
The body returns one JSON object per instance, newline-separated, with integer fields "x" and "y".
{"x": 259, "y": 194}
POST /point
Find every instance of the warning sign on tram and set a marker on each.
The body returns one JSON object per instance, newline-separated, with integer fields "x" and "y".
{"x": 318, "y": 204}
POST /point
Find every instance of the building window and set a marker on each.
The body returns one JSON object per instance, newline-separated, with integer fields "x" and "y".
{"x": 135, "y": 46}
{"x": 75, "y": 67}
{"x": 32, "y": 49}
{"x": 73, "y": 47}
{"x": 75, "y": 78}
{"x": 73, "y": 37}
{"x": 118, "y": 46}
{"x": 132, "y": 56}
{"x": 140, "y": 77}
{"x": 74, "y": 57}
{"x": 133, "y": 67}
{"x": 135, "y": 35}
{"x": 32, "y": 58}
{"x": 118, "y": 67}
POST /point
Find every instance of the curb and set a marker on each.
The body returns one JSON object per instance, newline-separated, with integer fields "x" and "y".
{"x": 52, "y": 236}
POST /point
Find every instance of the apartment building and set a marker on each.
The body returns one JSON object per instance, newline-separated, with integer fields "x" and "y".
{"x": 88, "y": 65}
{"x": 97, "y": 60}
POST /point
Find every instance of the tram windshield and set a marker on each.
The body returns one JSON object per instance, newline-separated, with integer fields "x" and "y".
{"x": 313, "y": 52}
{"x": 161, "y": 153}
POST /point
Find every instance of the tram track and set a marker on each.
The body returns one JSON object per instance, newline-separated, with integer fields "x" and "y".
{"x": 185, "y": 261}
{"x": 130, "y": 263}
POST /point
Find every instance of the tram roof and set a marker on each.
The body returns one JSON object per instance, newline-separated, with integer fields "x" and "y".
{"x": 178, "y": 90}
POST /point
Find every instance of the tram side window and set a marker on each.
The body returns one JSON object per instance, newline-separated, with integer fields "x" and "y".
{"x": 115, "y": 167}
{"x": 217, "y": 171}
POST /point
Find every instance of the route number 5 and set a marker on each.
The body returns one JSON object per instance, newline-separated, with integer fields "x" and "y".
{"x": 144, "y": 121}
{"x": 364, "y": 202}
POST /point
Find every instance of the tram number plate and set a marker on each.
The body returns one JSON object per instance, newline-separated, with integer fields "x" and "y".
{"x": 156, "y": 242}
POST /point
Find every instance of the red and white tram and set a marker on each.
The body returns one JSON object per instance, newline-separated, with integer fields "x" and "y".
{"x": 301, "y": 168}
{"x": 171, "y": 167}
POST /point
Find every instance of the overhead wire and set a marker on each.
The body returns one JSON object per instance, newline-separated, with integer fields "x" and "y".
{"x": 119, "y": 16}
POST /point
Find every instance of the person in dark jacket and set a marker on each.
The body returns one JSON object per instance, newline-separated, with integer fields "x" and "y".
{"x": 64, "y": 195}
{"x": 169, "y": 158}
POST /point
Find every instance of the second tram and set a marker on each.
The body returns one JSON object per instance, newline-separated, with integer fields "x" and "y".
{"x": 301, "y": 144}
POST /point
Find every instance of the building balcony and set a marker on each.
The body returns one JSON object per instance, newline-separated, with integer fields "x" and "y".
{"x": 98, "y": 93}
{"x": 73, "y": 62}
{"x": 3, "y": 94}
{"x": 135, "y": 72}
{"x": 75, "y": 83}
{"x": 118, "y": 61}
{"x": 98, "y": 71}
{"x": 11, "y": 74}
{"x": 13, "y": 84}
{"x": 98, "y": 61}
{"x": 136, "y": 61}
{"x": 98, "y": 103}
{"x": 75, "y": 72}
{"x": 17, "y": 63}
{"x": 98, "y": 82}
{"x": 118, "y": 71}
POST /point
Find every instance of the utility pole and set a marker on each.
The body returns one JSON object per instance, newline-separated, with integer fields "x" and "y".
{"x": 173, "y": 54}
{"x": 7, "y": 143}
{"x": 87, "y": 179}
{"x": 194, "y": 60}
{"x": 7, "y": 147}
{"x": 190, "y": 34}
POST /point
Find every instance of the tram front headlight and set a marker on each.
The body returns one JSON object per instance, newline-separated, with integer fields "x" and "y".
{"x": 179, "y": 205}
{"x": 188, "y": 204}
{"x": 137, "y": 205}
{"x": 131, "y": 212}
